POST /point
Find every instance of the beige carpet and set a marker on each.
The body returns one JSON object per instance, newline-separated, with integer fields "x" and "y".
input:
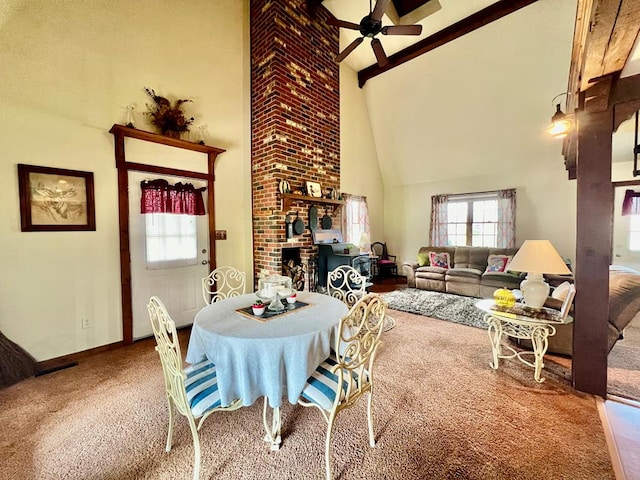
{"x": 623, "y": 371}
{"x": 623, "y": 364}
{"x": 440, "y": 412}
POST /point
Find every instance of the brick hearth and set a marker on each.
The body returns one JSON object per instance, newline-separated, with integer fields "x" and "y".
{"x": 295, "y": 120}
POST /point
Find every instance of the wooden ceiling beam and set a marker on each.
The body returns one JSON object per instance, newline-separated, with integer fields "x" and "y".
{"x": 627, "y": 89}
{"x": 479, "y": 19}
{"x": 613, "y": 31}
{"x": 604, "y": 36}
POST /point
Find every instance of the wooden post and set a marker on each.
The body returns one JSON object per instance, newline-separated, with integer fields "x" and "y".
{"x": 593, "y": 249}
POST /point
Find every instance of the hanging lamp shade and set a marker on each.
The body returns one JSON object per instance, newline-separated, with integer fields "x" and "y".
{"x": 560, "y": 125}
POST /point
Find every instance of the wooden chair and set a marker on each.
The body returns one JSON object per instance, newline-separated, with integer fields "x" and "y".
{"x": 347, "y": 374}
{"x": 193, "y": 391}
{"x": 385, "y": 261}
{"x": 345, "y": 283}
{"x": 223, "y": 282}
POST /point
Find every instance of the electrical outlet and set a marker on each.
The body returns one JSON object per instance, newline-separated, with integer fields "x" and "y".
{"x": 86, "y": 323}
{"x": 221, "y": 234}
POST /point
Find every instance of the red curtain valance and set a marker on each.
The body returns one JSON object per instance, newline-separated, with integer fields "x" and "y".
{"x": 160, "y": 197}
{"x": 631, "y": 203}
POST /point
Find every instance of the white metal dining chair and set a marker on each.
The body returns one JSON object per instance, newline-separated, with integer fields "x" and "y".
{"x": 347, "y": 374}
{"x": 346, "y": 284}
{"x": 223, "y": 282}
{"x": 193, "y": 391}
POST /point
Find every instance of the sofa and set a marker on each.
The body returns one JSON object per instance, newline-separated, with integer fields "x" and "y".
{"x": 467, "y": 273}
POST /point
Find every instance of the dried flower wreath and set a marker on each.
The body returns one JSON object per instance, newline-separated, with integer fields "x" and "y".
{"x": 170, "y": 120}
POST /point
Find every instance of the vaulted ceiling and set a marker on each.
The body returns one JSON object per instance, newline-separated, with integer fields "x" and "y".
{"x": 442, "y": 21}
{"x": 608, "y": 27}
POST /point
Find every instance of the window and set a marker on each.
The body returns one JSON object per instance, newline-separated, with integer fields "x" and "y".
{"x": 171, "y": 240}
{"x": 473, "y": 222}
{"x": 634, "y": 233}
{"x": 171, "y": 236}
{"x": 474, "y": 219}
{"x": 356, "y": 220}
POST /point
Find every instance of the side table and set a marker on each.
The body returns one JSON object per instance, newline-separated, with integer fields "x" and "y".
{"x": 537, "y": 330}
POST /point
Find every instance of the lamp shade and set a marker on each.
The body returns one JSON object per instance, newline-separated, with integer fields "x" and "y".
{"x": 365, "y": 243}
{"x": 538, "y": 256}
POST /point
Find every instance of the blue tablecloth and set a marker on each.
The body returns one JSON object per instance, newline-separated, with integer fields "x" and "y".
{"x": 271, "y": 359}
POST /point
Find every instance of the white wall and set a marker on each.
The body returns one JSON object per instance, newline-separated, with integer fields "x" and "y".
{"x": 68, "y": 69}
{"x": 470, "y": 116}
{"x": 359, "y": 170}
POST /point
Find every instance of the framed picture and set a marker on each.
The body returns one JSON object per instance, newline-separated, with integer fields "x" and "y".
{"x": 314, "y": 190}
{"x": 55, "y": 199}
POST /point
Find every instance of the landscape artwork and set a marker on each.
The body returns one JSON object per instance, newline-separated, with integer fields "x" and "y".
{"x": 56, "y": 199}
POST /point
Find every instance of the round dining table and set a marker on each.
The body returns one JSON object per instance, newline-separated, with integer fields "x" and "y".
{"x": 265, "y": 357}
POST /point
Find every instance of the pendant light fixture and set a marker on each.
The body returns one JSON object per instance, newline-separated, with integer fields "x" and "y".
{"x": 561, "y": 123}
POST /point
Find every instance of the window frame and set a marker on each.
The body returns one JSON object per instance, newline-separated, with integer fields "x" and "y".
{"x": 470, "y": 199}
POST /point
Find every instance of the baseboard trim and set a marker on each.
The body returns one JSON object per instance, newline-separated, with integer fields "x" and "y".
{"x": 72, "y": 359}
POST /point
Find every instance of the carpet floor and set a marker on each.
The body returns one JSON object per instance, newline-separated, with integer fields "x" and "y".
{"x": 623, "y": 373}
{"x": 440, "y": 412}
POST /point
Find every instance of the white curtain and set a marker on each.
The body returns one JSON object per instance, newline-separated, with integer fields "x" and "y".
{"x": 506, "y": 219}
{"x": 438, "y": 225}
{"x": 355, "y": 221}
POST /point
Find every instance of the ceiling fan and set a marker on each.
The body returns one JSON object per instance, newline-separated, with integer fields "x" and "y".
{"x": 370, "y": 26}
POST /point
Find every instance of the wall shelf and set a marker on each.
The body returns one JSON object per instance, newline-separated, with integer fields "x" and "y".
{"x": 163, "y": 139}
{"x": 289, "y": 198}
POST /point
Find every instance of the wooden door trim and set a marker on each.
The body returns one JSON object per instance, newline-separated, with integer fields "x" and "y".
{"x": 120, "y": 132}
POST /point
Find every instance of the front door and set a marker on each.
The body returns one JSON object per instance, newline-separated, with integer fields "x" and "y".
{"x": 178, "y": 287}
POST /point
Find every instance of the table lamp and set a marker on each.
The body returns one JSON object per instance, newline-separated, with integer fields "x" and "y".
{"x": 537, "y": 257}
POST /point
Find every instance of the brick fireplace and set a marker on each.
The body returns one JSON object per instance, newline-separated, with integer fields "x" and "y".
{"x": 295, "y": 121}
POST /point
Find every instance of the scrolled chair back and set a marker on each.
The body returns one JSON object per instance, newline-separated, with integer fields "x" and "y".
{"x": 358, "y": 340}
{"x": 168, "y": 347}
{"x": 346, "y": 284}
{"x": 222, "y": 283}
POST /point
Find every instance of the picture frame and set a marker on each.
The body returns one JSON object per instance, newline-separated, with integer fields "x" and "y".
{"x": 55, "y": 199}
{"x": 314, "y": 189}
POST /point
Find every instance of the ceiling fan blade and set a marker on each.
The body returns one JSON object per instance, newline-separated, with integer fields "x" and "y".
{"x": 342, "y": 55}
{"x": 341, "y": 23}
{"x": 402, "y": 30}
{"x": 380, "y": 8}
{"x": 379, "y": 51}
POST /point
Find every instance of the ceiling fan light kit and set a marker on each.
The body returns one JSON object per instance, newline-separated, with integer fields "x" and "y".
{"x": 370, "y": 26}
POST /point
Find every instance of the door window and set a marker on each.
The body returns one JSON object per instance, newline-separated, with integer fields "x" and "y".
{"x": 170, "y": 240}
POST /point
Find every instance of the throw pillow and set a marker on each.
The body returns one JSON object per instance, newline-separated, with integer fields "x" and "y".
{"x": 439, "y": 259}
{"x": 423, "y": 259}
{"x": 560, "y": 292}
{"x": 497, "y": 263}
